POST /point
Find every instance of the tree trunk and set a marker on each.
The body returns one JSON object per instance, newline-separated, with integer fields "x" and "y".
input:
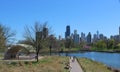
{"x": 50, "y": 49}
{"x": 37, "y": 56}
{"x": 37, "y": 53}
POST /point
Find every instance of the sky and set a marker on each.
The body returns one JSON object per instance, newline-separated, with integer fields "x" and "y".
{"x": 82, "y": 15}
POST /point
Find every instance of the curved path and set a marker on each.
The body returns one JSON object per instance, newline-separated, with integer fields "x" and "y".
{"x": 75, "y": 67}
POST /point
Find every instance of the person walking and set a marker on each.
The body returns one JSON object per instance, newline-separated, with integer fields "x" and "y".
{"x": 73, "y": 59}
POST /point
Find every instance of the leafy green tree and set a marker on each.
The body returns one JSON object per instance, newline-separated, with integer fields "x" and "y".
{"x": 118, "y": 47}
{"x": 101, "y": 45}
{"x": 82, "y": 44}
{"x": 111, "y": 44}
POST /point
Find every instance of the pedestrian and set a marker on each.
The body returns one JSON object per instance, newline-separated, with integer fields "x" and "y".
{"x": 73, "y": 59}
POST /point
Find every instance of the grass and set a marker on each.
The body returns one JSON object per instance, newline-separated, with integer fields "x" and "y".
{"x": 47, "y": 64}
{"x": 92, "y": 66}
{"x": 1, "y": 56}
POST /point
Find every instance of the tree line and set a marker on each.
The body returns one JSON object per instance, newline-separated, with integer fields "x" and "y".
{"x": 41, "y": 38}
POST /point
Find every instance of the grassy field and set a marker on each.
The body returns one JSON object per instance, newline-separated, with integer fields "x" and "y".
{"x": 1, "y": 56}
{"x": 47, "y": 64}
{"x": 92, "y": 66}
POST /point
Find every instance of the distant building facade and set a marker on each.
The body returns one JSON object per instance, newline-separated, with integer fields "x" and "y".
{"x": 116, "y": 37}
{"x": 83, "y": 38}
{"x": 95, "y": 38}
{"x": 67, "y": 33}
{"x": 76, "y": 38}
{"x": 98, "y": 35}
{"x": 89, "y": 38}
{"x": 102, "y": 37}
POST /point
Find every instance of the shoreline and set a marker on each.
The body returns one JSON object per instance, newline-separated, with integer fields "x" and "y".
{"x": 101, "y": 51}
{"x": 113, "y": 69}
{"x": 90, "y": 51}
{"x": 108, "y": 67}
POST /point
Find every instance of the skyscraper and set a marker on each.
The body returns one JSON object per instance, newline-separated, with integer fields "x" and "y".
{"x": 45, "y": 32}
{"x": 89, "y": 38}
{"x": 101, "y": 37}
{"x": 83, "y": 38}
{"x": 95, "y": 38}
{"x": 97, "y": 34}
{"x": 76, "y": 38}
{"x": 67, "y": 33}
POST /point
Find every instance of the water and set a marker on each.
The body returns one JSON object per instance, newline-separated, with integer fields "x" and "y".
{"x": 109, "y": 59}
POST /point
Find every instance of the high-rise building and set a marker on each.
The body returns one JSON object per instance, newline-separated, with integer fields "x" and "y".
{"x": 83, "y": 39}
{"x": 97, "y": 34}
{"x": 72, "y": 35}
{"x": 116, "y": 37}
{"x": 45, "y": 32}
{"x": 42, "y": 34}
{"x": 95, "y": 38}
{"x": 89, "y": 38}
{"x": 60, "y": 38}
{"x": 101, "y": 37}
{"x": 76, "y": 38}
{"x": 67, "y": 33}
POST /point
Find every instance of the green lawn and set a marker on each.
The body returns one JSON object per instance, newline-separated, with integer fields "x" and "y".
{"x": 47, "y": 64}
{"x": 92, "y": 66}
{"x": 1, "y": 56}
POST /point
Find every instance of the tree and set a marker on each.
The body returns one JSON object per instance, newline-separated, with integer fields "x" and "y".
{"x": 6, "y": 36}
{"x": 52, "y": 41}
{"x": 68, "y": 43}
{"x": 111, "y": 44}
{"x": 37, "y": 36}
{"x": 54, "y": 44}
{"x": 101, "y": 45}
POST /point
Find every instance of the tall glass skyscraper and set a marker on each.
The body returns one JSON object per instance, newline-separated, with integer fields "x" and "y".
{"x": 67, "y": 33}
{"x": 97, "y": 34}
{"x": 89, "y": 36}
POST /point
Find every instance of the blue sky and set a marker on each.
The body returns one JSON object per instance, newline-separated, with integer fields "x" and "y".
{"x": 83, "y": 15}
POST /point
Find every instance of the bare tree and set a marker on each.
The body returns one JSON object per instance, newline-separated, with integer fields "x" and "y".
{"x": 37, "y": 36}
{"x": 6, "y": 36}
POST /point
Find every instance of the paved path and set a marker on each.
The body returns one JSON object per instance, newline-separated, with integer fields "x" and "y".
{"x": 75, "y": 67}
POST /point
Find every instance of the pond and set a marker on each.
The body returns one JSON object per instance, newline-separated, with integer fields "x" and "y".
{"x": 109, "y": 59}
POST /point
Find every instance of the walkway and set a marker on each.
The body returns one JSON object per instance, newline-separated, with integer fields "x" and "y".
{"x": 75, "y": 67}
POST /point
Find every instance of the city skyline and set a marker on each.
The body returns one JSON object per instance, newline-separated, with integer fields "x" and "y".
{"x": 96, "y": 35}
{"x": 88, "y": 38}
{"x": 84, "y": 16}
